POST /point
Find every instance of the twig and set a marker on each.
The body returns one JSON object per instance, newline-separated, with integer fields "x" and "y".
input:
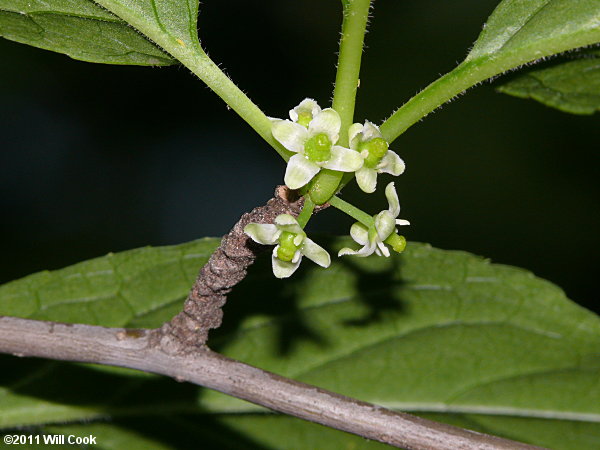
{"x": 135, "y": 349}
{"x": 226, "y": 267}
{"x": 178, "y": 349}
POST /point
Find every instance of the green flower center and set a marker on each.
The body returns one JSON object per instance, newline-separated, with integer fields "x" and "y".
{"x": 397, "y": 242}
{"x": 377, "y": 149}
{"x": 287, "y": 248}
{"x": 318, "y": 148}
{"x": 304, "y": 118}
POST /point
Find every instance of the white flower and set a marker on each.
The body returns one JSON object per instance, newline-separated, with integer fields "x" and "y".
{"x": 292, "y": 244}
{"x": 371, "y": 238}
{"x": 312, "y": 134}
{"x": 368, "y": 141}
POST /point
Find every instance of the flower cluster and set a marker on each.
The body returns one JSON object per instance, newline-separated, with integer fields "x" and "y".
{"x": 312, "y": 135}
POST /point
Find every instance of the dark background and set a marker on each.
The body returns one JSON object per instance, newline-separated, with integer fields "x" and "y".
{"x": 98, "y": 158}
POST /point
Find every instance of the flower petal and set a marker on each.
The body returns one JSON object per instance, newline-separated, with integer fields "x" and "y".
{"x": 391, "y": 163}
{"x": 385, "y": 225}
{"x": 307, "y": 105}
{"x": 402, "y": 222}
{"x": 286, "y": 222}
{"x": 370, "y": 131}
{"x": 344, "y": 160}
{"x": 283, "y": 269}
{"x": 315, "y": 253}
{"x": 367, "y": 250}
{"x": 291, "y": 135}
{"x": 354, "y": 132}
{"x": 299, "y": 171}
{"x": 328, "y": 122}
{"x": 366, "y": 179}
{"x": 263, "y": 233}
{"x": 359, "y": 233}
{"x": 392, "y": 198}
{"x": 383, "y": 249}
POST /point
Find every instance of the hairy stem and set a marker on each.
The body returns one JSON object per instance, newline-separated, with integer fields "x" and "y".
{"x": 356, "y": 14}
{"x": 352, "y": 211}
{"x": 137, "y": 349}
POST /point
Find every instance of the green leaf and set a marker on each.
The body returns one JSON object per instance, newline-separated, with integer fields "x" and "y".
{"x": 571, "y": 86}
{"x": 518, "y": 32}
{"x": 80, "y": 29}
{"x": 438, "y": 333}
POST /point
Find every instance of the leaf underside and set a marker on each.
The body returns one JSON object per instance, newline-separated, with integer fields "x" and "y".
{"x": 440, "y": 333}
{"x": 79, "y": 29}
{"x": 571, "y": 86}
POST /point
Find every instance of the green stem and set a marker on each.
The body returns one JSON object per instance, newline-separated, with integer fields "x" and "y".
{"x": 222, "y": 85}
{"x": 430, "y": 98}
{"x": 352, "y": 211}
{"x": 187, "y": 50}
{"x": 356, "y": 14}
{"x": 307, "y": 212}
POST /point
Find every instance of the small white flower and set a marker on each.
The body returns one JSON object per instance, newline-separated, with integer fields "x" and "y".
{"x": 292, "y": 244}
{"x": 371, "y": 238}
{"x": 312, "y": 134}
{"x": 368, "y": 141}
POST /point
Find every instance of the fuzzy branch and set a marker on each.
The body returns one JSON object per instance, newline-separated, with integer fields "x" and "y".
{"x": 178, "y": 349}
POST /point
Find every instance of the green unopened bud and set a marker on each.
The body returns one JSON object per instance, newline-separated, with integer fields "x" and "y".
{"x": 318, "y": 148}
{"x": 304, "y": 118}
{"x": 377, "y": 149}
{"x": 397, "y": 242}
{"x": 287, "y": 248}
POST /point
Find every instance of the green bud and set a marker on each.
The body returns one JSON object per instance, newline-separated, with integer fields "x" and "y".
{"x": 318, "y": 148}
{"x": 287, "y": 248}
{"x": 397, "y": 242}
{"x": 324, "y": 186}
{"x": 304, "y": 118}
{"x": 377, "y": 149}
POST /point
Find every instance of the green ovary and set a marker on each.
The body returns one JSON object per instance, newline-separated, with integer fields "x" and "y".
{"x": 397, "y": 242}
{"x": 287, "y": 248}
{"x": 377, "y": 149}
{"x": 304, "y": 118}
{"x": 318, "y": 148}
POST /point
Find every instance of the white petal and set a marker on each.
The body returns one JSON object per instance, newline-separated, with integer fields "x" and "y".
{"x": 263, "y": 233}
{"x": 290, "y": 134}
{"x": 391, "y": 163}
{"x": 383, "y": 249}
{"x": 286, "y": 222}
{"x": 307, "y": 105}
{"x": 344, "y": 160}
{"x": 285, "y": 219}
{"x": 283, "y": 269}
{"x": 384, "y": 224}
{"x": 353, "y": 132}
{"x": 402, "y": 222}
{"x": 366, "y": 179}
{"x": 359, "y": 233}
{"x": 299, "y": 171}
{"x": 316, "y": 253}
{"x": 370, "y": 131}
{"x": 392, "y": 198}
{"x": 367, "y": 250}
{"x": 328, "y": 122}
